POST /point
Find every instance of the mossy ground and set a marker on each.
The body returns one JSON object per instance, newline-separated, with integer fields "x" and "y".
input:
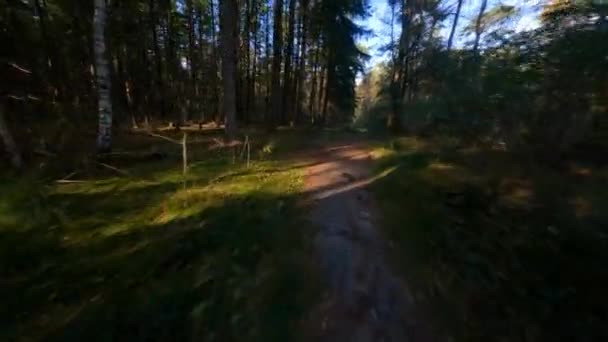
{"x": 219, "y": 255}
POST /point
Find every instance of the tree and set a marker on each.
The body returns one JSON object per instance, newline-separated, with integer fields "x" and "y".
{"x": 288, "y": 79}
{"x": 302, "y": 61}
{"x": 277, "y": 44}
{"x": 454, "y": 24}
{"x": 104, "y": 133}
{"x": 9, "y": 142}
{"x": 479, "y": 27}
{"x": 228, "y": 32}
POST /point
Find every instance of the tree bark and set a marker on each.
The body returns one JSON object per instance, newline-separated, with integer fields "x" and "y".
{"x": 50, "y": 60}
{"x": 104, "y": 134}
{"x": 313, "y": 86}
{"x": 193, "y": 94}
{"x": 476, "y": 60}
{"x": 159, "y": 60}
{"x": 229, "y": 38}
{"x": 214, "y": 64}
{"x": 9, "y": 142}
{"x": 247, "y": 45}
{"x": 254, "y": 72}
{"x": 276, "y": 62}
{"x": 268, "y": 77}
{"x": 302, "y": 62}
{"x": 399, "y": 79}
{"x": 287, "y": 76}
{"x": 478, "y": 27}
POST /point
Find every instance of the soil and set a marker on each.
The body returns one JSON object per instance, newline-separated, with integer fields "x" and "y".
{"x": 364, "y": 301}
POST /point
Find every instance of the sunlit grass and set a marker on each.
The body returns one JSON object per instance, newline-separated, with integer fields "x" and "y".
{"x": 156, "y": 249}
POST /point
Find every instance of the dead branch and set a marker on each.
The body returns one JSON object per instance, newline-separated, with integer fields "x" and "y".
{"x": 45, "y": 153}
{"x": 171, "y": 140}
{"x": 70, "y": 175}
{"x": 23, "y": 70}
{"x": 113, "y": 168}
{"x": 219, "y": 144}
{"x": 68, "y": 181}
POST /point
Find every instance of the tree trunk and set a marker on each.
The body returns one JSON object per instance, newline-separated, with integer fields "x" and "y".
{"x": 247, "y": 45}
{"x": 454, "y": 25}
{"x": 478, "y": 27}
{"x": 214, "y": 66}
{"x": 399, "y": 80}
{"x": 476, "y": 60}
{"x": 229, "y": 38}
{"x": 287, "y": 76}
{"x": 328, "y": 72}
{"x": 302, "y": 63}
{"x": 276, "y": 62}
{"x": 193, "y": 94}
{"x": 321, "y": 87}
{"x": 104, "y": 134}
{"x": 252, "y": 81}
{"x": 313, "y": 87}
{"x": 268, "y": 108}
{"x": 159, "y": 61}
{"x": 9, "y": 142}
{"x": 203, "y": 89}
{"x": 50, "y": 59}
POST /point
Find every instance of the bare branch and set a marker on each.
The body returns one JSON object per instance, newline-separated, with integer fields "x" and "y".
{"x": 23, "y": 70}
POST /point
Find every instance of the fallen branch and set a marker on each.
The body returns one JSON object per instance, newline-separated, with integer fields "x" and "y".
{"x": 113, "y": 168}
{"x": 218, "y": 144}
{"x": 70, "y": 175}
{"x": 68, "y": 181}
{"x": 22, "y": 69}
{"x": 177, "y": 142}
{"x": 45, "y": 153}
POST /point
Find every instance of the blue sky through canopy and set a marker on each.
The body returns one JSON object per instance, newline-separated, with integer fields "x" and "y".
{"x": 379, "y": 23}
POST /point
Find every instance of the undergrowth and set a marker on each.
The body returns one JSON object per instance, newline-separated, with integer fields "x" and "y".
{"x": 499, "y": 246}
{"x": 145, "y": 256}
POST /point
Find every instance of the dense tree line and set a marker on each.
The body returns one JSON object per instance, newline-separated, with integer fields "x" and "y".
{"x": 130, "y": 63}
{"x": 542, "y": 87}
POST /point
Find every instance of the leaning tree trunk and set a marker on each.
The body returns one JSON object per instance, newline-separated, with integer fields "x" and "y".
{"x": 104, "y": 134}
{"x": 9, "y": 142}
{"x": 476, "y": 57}
{"x": 454, "y": 25}
{"x": 228, "y": 33}
{"x": 478, "y": 27}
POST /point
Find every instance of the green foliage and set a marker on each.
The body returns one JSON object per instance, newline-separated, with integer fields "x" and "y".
{"x": 500, "y": 247}
{"x": 541, "y": 87}
{"x": 336, "y": 23}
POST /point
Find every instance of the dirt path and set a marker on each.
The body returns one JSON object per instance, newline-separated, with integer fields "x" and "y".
{"x": 364, "y": 301}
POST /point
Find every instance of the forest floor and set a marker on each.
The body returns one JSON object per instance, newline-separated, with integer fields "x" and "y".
{"x": 326, "y": 235}
{"x": 363, "y": 300}
{"x": 498, "y": 245}
{"x": 144, "y": 253}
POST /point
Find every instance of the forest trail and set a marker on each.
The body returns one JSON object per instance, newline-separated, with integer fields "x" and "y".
{"x": 364, "y": 301}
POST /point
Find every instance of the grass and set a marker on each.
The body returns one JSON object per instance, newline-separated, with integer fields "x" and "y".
{"x": 144, "y": 257}
{"x": 499, "y": 245}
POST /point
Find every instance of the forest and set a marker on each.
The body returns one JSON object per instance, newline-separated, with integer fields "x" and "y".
{"x": 324, "y": 170}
